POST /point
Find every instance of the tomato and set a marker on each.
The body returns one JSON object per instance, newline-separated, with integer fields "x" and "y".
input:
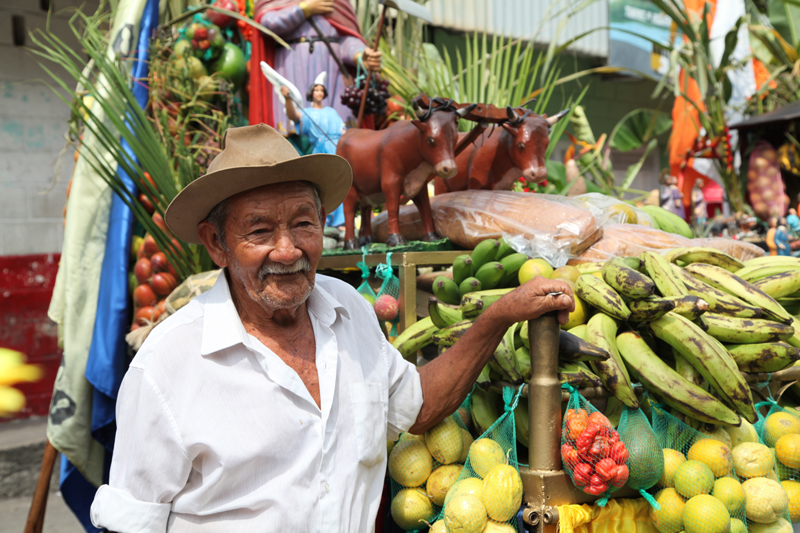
{"x": 230, "y": 65}
{"x": 606, "y": 468}
{"x": 620, "y": 476}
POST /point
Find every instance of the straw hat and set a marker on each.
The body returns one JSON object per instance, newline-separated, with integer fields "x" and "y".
{"x": 253, "y": 156}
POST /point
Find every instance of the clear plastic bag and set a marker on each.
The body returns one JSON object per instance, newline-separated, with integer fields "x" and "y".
{"x": 741, "y": 250}
{"x": 539, "y": 225}
{"x": 192, "y": 286}
{"x": 627, "y": 240}
{"x": 592, "y": 452}
{"x": 608, "y": 210}
{"x": 699, "y": 489}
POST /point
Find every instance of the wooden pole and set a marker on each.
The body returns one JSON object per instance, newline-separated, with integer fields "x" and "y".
{"x": 369, "y": 73}
{"x": 35, "y": 521}
{"x": 348, "y": 80}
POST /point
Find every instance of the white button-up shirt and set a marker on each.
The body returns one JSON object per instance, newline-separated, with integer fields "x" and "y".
{"x": 216, "y": 433}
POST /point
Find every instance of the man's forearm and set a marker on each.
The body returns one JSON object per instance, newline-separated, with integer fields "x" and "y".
{"x": 447, "y": 380}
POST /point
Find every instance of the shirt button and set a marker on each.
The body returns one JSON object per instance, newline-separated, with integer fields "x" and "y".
{"x": 326, "y": 487}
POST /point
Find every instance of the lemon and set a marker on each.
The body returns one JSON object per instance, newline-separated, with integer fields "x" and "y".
{"x": 579, "y": 316}
{"x": 792, "y": 489}
{"x": 737, "y": 526}
{"x": 485, "y": 454}
{"x": 781, "y": 525}
{"x": 471, "y": 485}
{"x": 465, "y": 514}
{"x": 502, "y": 492}
{"x": 715, "y": 454}
{"x": 777, "y": 425}
{"x": 719, "y": 434}
{"x": 693, "y": 478}
{"x": 787, "y": 450}
{"x": 444, "y": 441}
{"x": 532, "y": 268}
{"x": 672, "y": 460}
{"x": 410, "y": 463}
{"x": 410, "y": 508}
{"x": 440, "y": 482}
{"x": 567, "y": 272}
{"x": 389, "y": 447}
{"x": 706, "y": 514}
{"x": 766, "y": 500}
{"x": 751, "y": 459}
{"x": 669, "y": 518}
{"x": 499, "y": 527}
{"x": 439, "y": 527}
{"x": 730, "y": 493}
{"x": 744, "y": 433}
{"x": 410, "y": 436}
{"x": 466, "y": 443}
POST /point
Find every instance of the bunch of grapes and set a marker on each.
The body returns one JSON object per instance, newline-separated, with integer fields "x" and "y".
{"x": 377, "y": 94}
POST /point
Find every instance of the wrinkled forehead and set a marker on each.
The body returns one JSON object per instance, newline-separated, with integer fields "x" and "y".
{"x": 279, "y": 198}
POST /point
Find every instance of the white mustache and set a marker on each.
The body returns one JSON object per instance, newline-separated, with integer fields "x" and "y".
{"x": 301, "y": 265}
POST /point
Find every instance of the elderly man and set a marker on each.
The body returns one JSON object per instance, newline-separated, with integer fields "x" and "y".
{"x": 265, "y": 403}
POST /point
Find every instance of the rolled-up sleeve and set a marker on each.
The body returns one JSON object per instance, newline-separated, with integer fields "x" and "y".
{"x": 150, "y": 464}
{"x": 405, "y": 392}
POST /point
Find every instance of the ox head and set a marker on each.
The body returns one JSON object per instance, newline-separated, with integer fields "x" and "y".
{"x": 529, "y": 137}
{"x": 438, "y": 134}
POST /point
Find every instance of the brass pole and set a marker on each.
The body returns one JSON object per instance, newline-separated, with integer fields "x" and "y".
{"x": 544, "y": 400}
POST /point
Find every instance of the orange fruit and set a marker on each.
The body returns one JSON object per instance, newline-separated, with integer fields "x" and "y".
{"x": 715, "y": 454}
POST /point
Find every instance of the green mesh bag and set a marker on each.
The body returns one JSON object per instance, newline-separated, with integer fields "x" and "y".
{"x": 422, "y": 468}
{"x": 645, "y": 456}
{"x": 592, "y": 453}
{"x": 364, "y": 289}
{"x": 387, "y": 306}
{"x": 699, "y": 490}
{"x": 489, "y": 488}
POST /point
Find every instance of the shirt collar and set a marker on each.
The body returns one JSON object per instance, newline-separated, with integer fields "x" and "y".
{"x": 223, "y": 328}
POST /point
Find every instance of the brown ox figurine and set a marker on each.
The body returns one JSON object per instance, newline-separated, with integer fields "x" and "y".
{"x": 498, "y": 159}
{"x": 399, "y": 161}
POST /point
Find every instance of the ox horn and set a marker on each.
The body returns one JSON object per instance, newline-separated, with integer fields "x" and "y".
{"x": 466, "y": 110}
{"x": 513, "y": 116}
{"x": 419, "y": 112}
{"x": 558, "y": 116}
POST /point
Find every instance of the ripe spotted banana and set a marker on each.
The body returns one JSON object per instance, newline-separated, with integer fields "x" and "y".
{"x": 662, "y": 275}
{"x": 763, "y": 357}
{"x": 629, "y": 283}
{"x": 602, "y": 332}
{"x": 449, "y": 335}
{"x": 598, "y": 293}
{"x": 573, "y": 348}
{"x": 415, "y": 337}
{"x": 710, "y": 256}
{"x": 675, "y": 390}
{"x": 718, "y": 301}
{"x": 503, "y": 360}
{"x": 474, "y": 303}
{"x": 746, "y": 330}
{"x": 780, "y": 285}
{"x": 709, "y": 358}
{"x": 689, "y": 306}
{"x": 752, "y": 274}
{"x": 650, "y": 309}
{"x": 577, "y": 375}
{"x": 590, "y": 268}
{"x": 772, "y": 260}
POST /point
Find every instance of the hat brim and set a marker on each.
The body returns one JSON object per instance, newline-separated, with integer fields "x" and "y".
{"x": 330, "y": 173}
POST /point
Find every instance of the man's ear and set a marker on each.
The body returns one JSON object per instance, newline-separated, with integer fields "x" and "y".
{"x": 323, "y": 214}
{"x": 210, "y": 238}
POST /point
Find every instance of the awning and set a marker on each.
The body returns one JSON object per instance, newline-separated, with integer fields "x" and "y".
{"x": 786, "y": 113}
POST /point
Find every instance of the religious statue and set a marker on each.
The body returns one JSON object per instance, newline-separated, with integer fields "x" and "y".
{"x": 309, "y": 55}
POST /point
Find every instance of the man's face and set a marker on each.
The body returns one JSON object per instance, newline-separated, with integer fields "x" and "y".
{"x": 274, "y": 239}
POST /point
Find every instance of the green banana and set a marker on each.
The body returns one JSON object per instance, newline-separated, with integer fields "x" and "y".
{"x": 746, "y": 330}
{"x": 634, "y": 263}
{"x": 503, "y": 360}
{"x": 462, "y": 268}
{"x": 674, "y": 389}
{"x": 469, "y": 285}
{"x": 573, "y": 348}
{"x": 504, "y": 250}
{"x": 689, "y": 306}
{"x": 668, "y": 221}
{"x": 613, "y": 411}
{"x": 490, "y": 275}
{"x": 449, "y": 335}
{"x": 487, "y": 407}
{"x": 511, "y": 265}
{"x": 577, "y": 376}
{"x": 731, "y": 283}
{"x": 484, "y": 252}
{"x": 650, "y": 309}
{"x": 629, "y": 283}
{"x": 763, "y": 357}
{"x": 597, "y": 293}
{"x": 578, "y": 331}
{"x": 442, "y": 315}
{"x": 686, "y": 370}
{"x": 484, "y": 381}
{"x": 522, "y": 357}
{"x": 474, "y": 303}
{"x": 673, "y": 254}
{"x": 710, "y": 256}
{"x": 415, "y": 337}
{"x": 755, "y": 273}
{"x": 590, "y": 267}
{"x": 772, "y": 260}
{"x": 780, "y": 285}
{"x": 602, "y": 332}
{"x": 718, "y": 301}
{"x": 662, "y": 275}
{"x": 522, "y": 423}
{"x": 709, "y": 358}
{"x": 446, "y": 290}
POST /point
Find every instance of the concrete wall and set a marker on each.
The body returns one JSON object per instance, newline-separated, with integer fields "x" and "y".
{"x": 32, "y": 126}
